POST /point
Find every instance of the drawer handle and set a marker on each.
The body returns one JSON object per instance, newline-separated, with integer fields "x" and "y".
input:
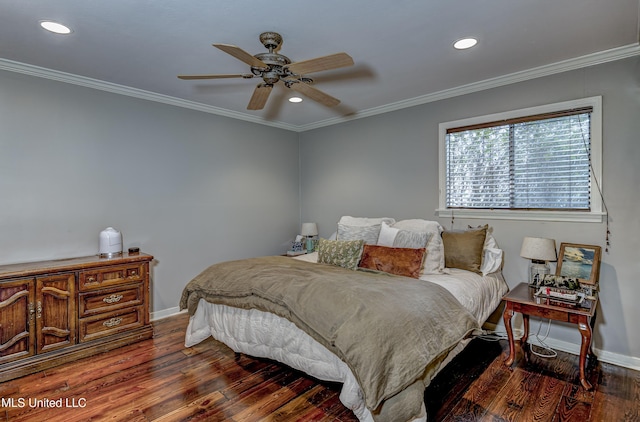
{"x": 91, "y": 279}
{"x": 112, "y": 299}
{"x": 113, "y": 322}
{"x": 133, "y": 273}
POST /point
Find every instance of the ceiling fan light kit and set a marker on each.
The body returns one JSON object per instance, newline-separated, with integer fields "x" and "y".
{"x": 274, "y": 67}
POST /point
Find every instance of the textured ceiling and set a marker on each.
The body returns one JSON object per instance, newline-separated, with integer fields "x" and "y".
{"x": 402, "y": 50}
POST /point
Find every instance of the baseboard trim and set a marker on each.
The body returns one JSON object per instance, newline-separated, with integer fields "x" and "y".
{"x": 629, "y": 362}
{"x": 165, "y": 313}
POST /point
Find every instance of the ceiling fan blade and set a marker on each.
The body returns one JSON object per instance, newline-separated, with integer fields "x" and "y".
{"x": 259, "y": 97}
{"x": 315, "y": 94}
{"x": 240, "y": 54}
{"x": 222, "y": 76}
{"x": 333, "y": 61}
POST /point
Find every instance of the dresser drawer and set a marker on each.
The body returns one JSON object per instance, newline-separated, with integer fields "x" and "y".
{"x": 111, "y": 323}
{"x": 110, "y": 276}
{"x": 107, "y": 300}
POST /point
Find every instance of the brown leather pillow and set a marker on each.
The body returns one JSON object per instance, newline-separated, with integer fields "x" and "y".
{"x": 463, "y": 248}
{"x": 399, "y": 261}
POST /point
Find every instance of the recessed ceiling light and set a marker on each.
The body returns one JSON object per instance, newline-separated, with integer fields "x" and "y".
{"x": 465, "y": 43}
{"x": 295, "y": 100}
{"x": 55, "y": 27}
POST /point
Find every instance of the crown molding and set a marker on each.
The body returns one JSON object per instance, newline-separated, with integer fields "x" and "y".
{"x": 525, "y": 75}
{"x": 69, "y": 78}
{"x": 538, "y": 72}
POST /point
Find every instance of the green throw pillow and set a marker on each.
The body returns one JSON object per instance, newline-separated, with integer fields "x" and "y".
{"x": 341, "y": 253}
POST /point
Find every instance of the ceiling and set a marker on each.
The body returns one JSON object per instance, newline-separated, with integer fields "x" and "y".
{"x": 402, "y": 50}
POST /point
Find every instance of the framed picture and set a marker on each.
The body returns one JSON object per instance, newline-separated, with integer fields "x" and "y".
{"x": 579, "y": 261}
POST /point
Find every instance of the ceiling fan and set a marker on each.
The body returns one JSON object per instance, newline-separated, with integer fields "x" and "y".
{"x": 273, "y": 67}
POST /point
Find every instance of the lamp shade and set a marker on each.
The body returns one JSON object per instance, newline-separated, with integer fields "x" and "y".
{"x": 309, "y": 229}
{"x": 538, "y": 249}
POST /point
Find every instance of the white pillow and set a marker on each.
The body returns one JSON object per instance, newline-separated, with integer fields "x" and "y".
{"x": 387, "y": 235}
{"x": 492, "y": 256}
{"x": 418, "y": 225}
{"x": 434, "y": 261}
{"x": 361, "y": 228}
{"x": 396, "y": 238}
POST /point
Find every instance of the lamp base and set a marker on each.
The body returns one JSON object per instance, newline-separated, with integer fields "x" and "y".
{"x": 311, "y": 244}
{"x": 537, "y": 271}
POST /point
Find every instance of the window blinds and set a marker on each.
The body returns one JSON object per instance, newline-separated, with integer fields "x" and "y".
{"x": 535, "y": 162}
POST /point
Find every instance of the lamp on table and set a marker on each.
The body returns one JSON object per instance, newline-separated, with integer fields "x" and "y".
{"x": 540, "y": 251}
{"x": 309, "y": 231}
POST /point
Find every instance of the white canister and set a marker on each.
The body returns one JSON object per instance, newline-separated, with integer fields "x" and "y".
{"x": 110, "y": 243}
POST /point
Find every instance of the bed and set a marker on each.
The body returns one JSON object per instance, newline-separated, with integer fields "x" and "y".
{"x": 382, "y": 329}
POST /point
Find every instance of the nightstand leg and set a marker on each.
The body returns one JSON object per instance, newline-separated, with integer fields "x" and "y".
{"x": 592, "y": 323}
{"x": 508, "y": 314}
{"x": 585, "y": 348}
{"x": 525, "y": 336}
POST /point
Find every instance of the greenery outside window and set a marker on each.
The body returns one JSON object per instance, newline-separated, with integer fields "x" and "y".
{"x": 541, "y": 163}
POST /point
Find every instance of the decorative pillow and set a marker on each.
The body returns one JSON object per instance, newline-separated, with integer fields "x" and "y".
{"x": 341, "y": 253}
{"x": 368, "y": 234}
{"x": 491, "y": 254}
{"x": 361, "y": 228}
{"x": 387, "y": 235}
{"x": 463, "y": 249}
{"x": 407, "y": 239}
{"x": 399, "y": 261}
{"x": 492, "y": 258}
{"x": 393, "y": 237}
{"x": 434, "y": 261}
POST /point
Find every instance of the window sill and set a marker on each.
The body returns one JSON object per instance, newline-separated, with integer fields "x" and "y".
{"x": 559, "y": 216}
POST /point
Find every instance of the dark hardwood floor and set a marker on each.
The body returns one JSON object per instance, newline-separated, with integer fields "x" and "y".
{"x": 161, "y": 380}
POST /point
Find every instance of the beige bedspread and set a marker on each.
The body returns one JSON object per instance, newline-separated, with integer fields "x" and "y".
{"x": 391, "y": 331}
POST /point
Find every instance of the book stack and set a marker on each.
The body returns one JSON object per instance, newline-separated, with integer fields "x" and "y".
{"x": 569, "y": 295}
{"x": 561, "y": 288}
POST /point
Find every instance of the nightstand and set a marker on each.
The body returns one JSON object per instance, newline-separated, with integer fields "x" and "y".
{"x": 522, "y": 299}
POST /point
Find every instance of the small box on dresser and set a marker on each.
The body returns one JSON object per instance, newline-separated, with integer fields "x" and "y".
{"x": 52, "y": 312}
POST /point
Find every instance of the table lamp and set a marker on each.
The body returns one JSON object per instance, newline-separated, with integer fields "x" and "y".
{"x": 309, "y": 230}
{"x": 539, "y": 251}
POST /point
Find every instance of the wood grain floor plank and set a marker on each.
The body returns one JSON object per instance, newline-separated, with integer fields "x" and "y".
{"x": 570, "y": 409}
{"x": 548, "y": 392}
{"x": 520, "y": 386}
{"x": 474, "y": 404}
{"x": 269, "y": 404}
{"x": 191, "y": 408}
{"x": 616, "y": 397}
{"x": 298, "y": 407}
{"x": 447, "y": 391}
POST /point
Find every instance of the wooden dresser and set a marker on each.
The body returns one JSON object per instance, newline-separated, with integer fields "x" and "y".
{"x": 52, "y": 312}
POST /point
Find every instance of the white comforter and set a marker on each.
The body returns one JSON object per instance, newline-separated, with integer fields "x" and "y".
{"x": 263, "y": 334}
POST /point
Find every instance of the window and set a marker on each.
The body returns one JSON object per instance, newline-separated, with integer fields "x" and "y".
{"x": 538, "y": 163}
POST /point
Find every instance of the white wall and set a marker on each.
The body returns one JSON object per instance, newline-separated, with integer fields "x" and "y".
{"x": 387, "y": 165}
{"x": 188, "y": 187}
